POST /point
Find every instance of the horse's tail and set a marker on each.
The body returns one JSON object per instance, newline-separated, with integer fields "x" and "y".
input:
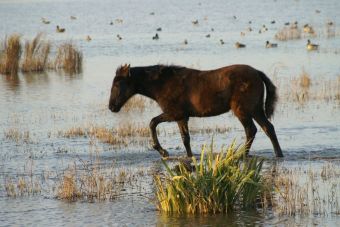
{"x": 271, "y": 97}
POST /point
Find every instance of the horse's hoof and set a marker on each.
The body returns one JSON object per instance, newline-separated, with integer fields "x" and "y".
{"x": 164, "y": 153}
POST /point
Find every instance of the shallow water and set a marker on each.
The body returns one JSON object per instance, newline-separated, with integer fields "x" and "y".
{"x": 44, "y": 104}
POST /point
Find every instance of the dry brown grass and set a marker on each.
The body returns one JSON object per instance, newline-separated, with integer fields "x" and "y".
{"x": 95, "y": 132}
{"x": 92, "y": 183}
{"x": 36, "y": 55}
{"x": 17, "y": 135}
{"x": 69, "y": 58}
{"x": 22, "y": 186}
{"x": 137, "y": 102}
{"x": 288, "y": 33}
{"x": 304, "y": 192}
{"x": 10, "y": 51}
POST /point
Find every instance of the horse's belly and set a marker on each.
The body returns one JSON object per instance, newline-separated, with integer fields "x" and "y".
{"x": 209, "y": 106}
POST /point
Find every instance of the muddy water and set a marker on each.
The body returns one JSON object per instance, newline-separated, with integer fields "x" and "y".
{"x": 41, "y": 105}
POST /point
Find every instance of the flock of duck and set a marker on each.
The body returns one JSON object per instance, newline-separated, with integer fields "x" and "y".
{"x": 306, "y": 28}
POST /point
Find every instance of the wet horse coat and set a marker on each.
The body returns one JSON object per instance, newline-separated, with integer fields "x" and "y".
{"x": 182, "y": 93}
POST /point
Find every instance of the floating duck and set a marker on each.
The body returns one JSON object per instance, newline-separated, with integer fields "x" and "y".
{"x": 308, "y": 29}
{"x": 311, "y": 46}
{"x": 317, "y": 11}
{"x": 287, "y": 23}
{"x": 156, "y": 37}
{"x": 45, "y": 21}
{"x": 159, "y": 29}
{"x": 234, "y": 17}
{"x": 60, "y": 30}
{"x": 330, "y": 23}
{"x": 152, "y": 13}
{"x": 221, "y": 41}
{"x": 208, "y": 36}
{"x": 239, "y": 45}
{"x": 195, "y": 22}
{"x": 185, "y": 42}
{"x": 119, "y": 21}
{"x": 111, "y": 23}
{"x": 273, "y": 22}
{"x": 271, "y": 45}
{"x": 88, "y": 38}
{"x": 73, "y": 18}
{"x": 249, "y": 22}
{"x": 119, "y": 37}
{"x": 212, "y": 29}
{"x": 249, "y": 29}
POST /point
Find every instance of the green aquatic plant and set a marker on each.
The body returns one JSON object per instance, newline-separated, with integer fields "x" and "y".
{"x": 219, "y": 184}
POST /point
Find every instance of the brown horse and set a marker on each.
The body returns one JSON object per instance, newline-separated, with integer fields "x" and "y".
{"x": 183, "y": 93}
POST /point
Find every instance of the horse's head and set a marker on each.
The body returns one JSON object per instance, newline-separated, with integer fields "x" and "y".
{"x": 122, "y": 88}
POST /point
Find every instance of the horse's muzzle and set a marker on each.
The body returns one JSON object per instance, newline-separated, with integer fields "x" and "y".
{"x": 114, "y": 108}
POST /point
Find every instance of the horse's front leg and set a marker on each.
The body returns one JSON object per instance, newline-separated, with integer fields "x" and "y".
{"x": 183, "y": 128}
{"x": 153, "y": 125}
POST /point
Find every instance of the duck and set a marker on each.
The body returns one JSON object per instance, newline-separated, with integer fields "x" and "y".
{"x": 45, "y": 21}
{"x": 152, "y": 13}
{"x": 312, "y": 46}
{"x": 159, "y": 29}
{"x": 287, "y": 23}
{"x": 239, "y": 45}
{"x": 308, "y": 29}
{"x": 119, "y": 21}
{"x": 156, "y": 37}
{"x": 195, "y": 22}
{"x": 185, "y": 42}
{"x": 60, "y": 30}
{"x": 330, "y": 23}
{"x": 88, "y": 38}
{"x": 270, "y": 45}
{"x": 221, "y": 41}
{"x": 273, "y": 22}
{"x": 111, "y": 23}
{"x": 119, "y": 37}
{"x": 207, "y": 36}
{"x": 73, "y": 18}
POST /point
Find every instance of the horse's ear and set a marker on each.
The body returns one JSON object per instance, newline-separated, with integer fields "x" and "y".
{"x": 125, "y": 70}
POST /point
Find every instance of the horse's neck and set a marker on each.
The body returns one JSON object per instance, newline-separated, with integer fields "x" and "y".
{"x": 147, "y": 87}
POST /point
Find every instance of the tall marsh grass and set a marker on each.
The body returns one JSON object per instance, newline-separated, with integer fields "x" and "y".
{"x": 69, "y": 58}
{"x": 36, "y": 55}
{"x": 10, "y": 52}
{"x": 219, "y": 184}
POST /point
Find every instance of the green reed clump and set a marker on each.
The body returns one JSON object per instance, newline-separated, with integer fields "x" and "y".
{"x": 69, "y": 58}
{"x": 36, "y": 55}
{"x": 10, "y": 51}
{"x": 220, "y": 183}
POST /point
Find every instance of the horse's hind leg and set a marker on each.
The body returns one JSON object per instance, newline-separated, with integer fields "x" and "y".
{"x": 250, "y": 130}
{"x": 153, "y": 125}
{"x": 183, "y": 128}
{"x": 268, "y": 128}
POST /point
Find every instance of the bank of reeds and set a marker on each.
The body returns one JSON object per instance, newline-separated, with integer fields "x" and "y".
{"x": 10, "y": 51}
{"x": 36, "y": 54}
{"x": 69, "y": 58}
{"x": 219, "y": 183}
